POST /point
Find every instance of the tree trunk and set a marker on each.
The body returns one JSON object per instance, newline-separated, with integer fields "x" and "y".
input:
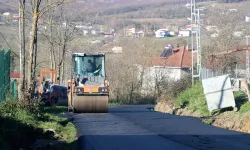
{"x": 22, "y": 57}
{"x": 54, "y": 59}
{"x": 35, "y": 61}
{"x": 50, "y": 40}
{"x": 63, "y": 72}
{"x": 51, "y": 50}
{"x": 31, "y": 48}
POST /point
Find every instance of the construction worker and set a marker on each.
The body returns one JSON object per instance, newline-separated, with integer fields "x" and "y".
{"x": 45, "y": 86}
{"x": 90, "y": 66}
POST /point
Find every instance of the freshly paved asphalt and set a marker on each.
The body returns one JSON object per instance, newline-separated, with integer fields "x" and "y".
{"x": 138, "y": 128}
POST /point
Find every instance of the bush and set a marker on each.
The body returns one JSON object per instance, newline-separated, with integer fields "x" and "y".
{"x": 240, "y": 98}
{"x": 193, "y": 99}
{"x": 181, "y": 85}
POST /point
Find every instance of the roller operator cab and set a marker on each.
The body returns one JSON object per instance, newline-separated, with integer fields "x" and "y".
{"x": 89, "y": 87}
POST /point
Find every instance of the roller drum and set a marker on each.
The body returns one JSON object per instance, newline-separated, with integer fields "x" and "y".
{"x": 90, "y": 104}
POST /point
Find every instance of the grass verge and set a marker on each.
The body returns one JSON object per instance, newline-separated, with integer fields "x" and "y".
{"x": 194, "y": 99}
{"x": 40, "y": 129}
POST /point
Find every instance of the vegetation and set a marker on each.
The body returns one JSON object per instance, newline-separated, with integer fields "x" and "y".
{"x": 245, "y": 107}
{"x": 240, "y": 99}
{"x": 21, "y": 128}
{"x": 194, "y": 99}
{"x": 230, "y": 1}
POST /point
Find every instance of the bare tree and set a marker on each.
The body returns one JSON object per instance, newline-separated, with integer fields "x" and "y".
{"x": 225, "y": 30}
{"x": 37, "y": 12}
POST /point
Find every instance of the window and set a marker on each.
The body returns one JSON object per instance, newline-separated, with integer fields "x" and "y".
{"x": 90, "y": 68}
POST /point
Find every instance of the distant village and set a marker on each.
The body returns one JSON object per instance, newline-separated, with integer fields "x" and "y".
{"x": 8, "y": 17}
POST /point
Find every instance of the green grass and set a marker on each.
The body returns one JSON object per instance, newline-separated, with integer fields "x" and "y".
{"x": 208, "y": 121}
{"x": 20, "y": 121}
{"x": 240, "y": 99}
{"x": 242, "y": 102}
{"x": 245, "y": 107}
{"x": 193, "y": 99}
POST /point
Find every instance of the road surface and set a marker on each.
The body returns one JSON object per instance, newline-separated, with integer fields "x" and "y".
{"x": 139, "y": 128}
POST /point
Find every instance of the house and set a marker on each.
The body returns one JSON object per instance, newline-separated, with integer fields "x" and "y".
{"x": 188, "y": 27}
{"x": 211, "y": 28}
{"x": 172, "y": 65}
{"x": 233, "y": 10}
{"x": 85, "y": 32}
{"x": 130, "y": 31}
{"x": 247, "y": 18}
{"x": 161, "y": 33}
{"x": 15, "y": 17}
{"x": 139, "y": 34}
{"x": 185, "y": 33}
{"x": 117, "y": 49}
{"x": 94, "y": 32}
{"x": 238, "y": 33}
{"x": 7, "y": 16}
{"x": 15, "y": 76}
{"x": 188, "y": 5}
{"x": 108, "y": 35}
{"x": 214, "y": 35}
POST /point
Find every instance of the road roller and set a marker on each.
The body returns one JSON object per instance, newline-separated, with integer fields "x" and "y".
{"x": 88, "y": 88}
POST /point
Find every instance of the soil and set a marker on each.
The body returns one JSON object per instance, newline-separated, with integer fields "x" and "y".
{"x": 228, "y": 120}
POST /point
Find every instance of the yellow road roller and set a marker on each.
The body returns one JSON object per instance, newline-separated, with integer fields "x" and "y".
{"x": 88, "y": 88}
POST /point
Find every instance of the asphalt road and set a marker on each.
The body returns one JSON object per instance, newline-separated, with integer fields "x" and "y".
{"x": 138, "y": 128}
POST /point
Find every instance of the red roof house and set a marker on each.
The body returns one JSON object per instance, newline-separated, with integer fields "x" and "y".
{"x": 15, "y": 75}
{"x": 179, "y": 58}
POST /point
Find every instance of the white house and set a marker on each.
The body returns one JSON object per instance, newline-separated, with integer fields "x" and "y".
{"x": 6, "y": 14}
{"x": 130, "y": 31}
{"x": 117, "y": 49}
{"x": 85, "y": 32}
{"x": 173, "y": 67}
{"x": 214, "y": 35}
{"x": 247, "y": 18}
{"x": 186, "y": 33}
{"x": 161, "y": 33}
{"x": 238, "y": 33}
{"x": 211, "y": 28}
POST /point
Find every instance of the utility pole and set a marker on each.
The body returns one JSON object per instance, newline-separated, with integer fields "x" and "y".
{"x": 20, "y": 37}
{"x": 247, "y": 60}
{"x": 195, "y": 41}
{"x": 192, "y": 39}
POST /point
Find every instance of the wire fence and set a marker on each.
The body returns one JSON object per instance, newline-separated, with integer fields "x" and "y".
{"x": 235, "y": 73}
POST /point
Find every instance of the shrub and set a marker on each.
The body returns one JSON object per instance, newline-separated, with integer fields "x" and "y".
{"x": 240, "y": 98}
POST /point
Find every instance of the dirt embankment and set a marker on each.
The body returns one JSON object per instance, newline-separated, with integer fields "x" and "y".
{"x": 233, "y": 121}
{"x": 228, "y": 120}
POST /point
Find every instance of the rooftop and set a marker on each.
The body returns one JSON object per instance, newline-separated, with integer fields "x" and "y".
{"x": 15, "y": 75}
{"x": 180, "y": 57}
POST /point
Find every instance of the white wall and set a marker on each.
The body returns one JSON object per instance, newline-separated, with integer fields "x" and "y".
{"x": 185, "y": 33}
{"x": 153, "y": 74}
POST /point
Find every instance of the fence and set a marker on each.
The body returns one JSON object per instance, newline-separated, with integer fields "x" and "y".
{"x": 207, "y": 73}
{"x": 240, "y": 72}
{"x": 5, "y": 84}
